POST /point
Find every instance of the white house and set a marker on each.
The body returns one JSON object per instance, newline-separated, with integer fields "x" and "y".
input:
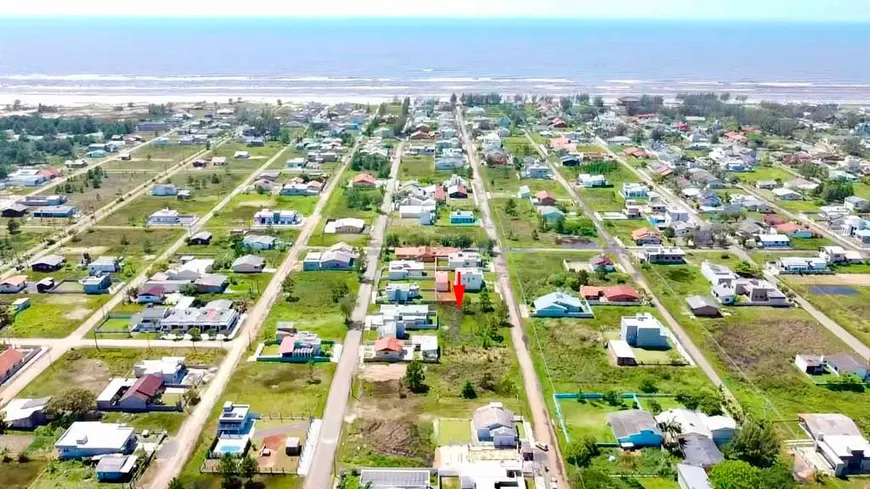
{"x": 634, "y": 191}
{"x": 92, "y": 438}
{"x": 164, "y": 190}
{"x": 717, "y": 274}
{"x": 267, "y": 217}
{"x": 586, "y": 180}
{"x": 800, "y": 265}
{"x": 471, "y": 278}
{"x": 463, "y": 259}
{"x": 773, "y": 241}
{"x": 406, "y": 269}
{"x": 782, "y": 193}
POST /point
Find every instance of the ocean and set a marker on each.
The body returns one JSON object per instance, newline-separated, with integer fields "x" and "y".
{"x": 119, "y": 60}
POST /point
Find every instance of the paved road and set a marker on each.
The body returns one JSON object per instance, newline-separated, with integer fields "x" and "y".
{"x": 541, "y": 421}
{"x": 838, "y": 331}
{"x": 59, "y": 347}
{"x": 320, "y": 474}
{"x": 169, "y": 465}
{"x": 90, "y": 220}
{"x": 628, "y": 265}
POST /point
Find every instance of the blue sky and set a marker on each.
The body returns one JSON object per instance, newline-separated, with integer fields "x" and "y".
{"x": 783, "y": 10}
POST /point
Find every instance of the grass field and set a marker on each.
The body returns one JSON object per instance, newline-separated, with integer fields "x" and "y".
{"x": 850, "y": 309}
{"x": 753, "y": 348}
{"x": 317, "y": 309}
{"x": 54, "y": 315}
{"x": 258, "y": 155}
{"x": 416, "y": 167}
{"x": 239, "y": 212}
{"x": 114, "y": 184}
{"x": 207, "y": 189}
{"x": 763, "y": 173}
{"x": 519, "y": 229}
{"x": 504, "y": 182}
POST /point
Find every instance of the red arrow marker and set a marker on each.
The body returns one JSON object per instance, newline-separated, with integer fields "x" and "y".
{"x": 459, "y": 290}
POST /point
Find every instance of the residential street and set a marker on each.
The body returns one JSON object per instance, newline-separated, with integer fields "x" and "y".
{"x": 541, "y": 421}
{"x": 321, "y": 472}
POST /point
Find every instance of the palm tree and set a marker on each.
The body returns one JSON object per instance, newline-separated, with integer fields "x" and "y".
{"x": 672, "y": 430}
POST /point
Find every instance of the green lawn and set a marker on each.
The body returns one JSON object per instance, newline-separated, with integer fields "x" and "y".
{"x": 239, "y": 212}
{"x": 504, "y": 182}
{"x": 763, "y": 173}
{"x": 849, "y": 310}
{"x": 208, "y": 188}
{"x": 520, "y": 229}
{"x": 54, "y": 315}
{"x": 454, "y": 431}
{"x": 317, "y": 309}
{"x": 416, "y": 167}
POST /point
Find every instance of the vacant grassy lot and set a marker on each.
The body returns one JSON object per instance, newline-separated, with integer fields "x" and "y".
{"x": 317, "y": 308}
{"x": 207, "y": 189}
{"x": 288, "y": 389}
{"x": 54, "y": 315}
{"x": 239, "y": 212}
{"x": 88, "y": 198}
{"x": 409, "y": 233}
{"x": 521, "y": 228}
{"x": 12, "y": 245}
{"x": 258, "y": 156}
{"x": 763, "y": 173}
{"x": 416, "y": 167}
{"x": 504, "y": 182}
{"x": 848, "y": 305}
{"x": 753, "y": 348}
{"x": 536, "y": 274}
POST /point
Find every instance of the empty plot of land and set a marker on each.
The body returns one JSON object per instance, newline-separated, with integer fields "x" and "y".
{"x": 859, "y": 279}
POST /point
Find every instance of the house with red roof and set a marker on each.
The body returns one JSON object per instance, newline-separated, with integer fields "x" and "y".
{"x": 13, "y": 284}
{"x": 10, "y": 361}
{"x": 646, "y": 236}
{"x": 389, "y": 349}
{"x": 735, "y": 137}
{"x": 151, "y": 294}
{"x": 794, "y": 230}
{"x": 364, "y": 180}
{"x": 440, "y": 194}
{"x": 635, "y": 152}
{"x": 601, "y": 262}
{"x": 611, "y": 294}
{"x": 442, "y": 281}
{"x": 143, "y": 394}
{"x": 774, "y": 219}
{"x": 544, "y": 197}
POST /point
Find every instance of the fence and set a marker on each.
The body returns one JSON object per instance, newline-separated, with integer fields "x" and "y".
{"x": 634, "y": 397}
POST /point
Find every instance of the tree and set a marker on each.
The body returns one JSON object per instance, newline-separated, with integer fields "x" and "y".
{"x": 745, "y": 269}
{"x": 248, "y": 467}
{"x": 582, "y": 451}
{"x": 191, "y": 397}
{"x": 654, "y": 407}
{"x": 510, "y": 207}
{"x": 648, "y": 386}
{"x": 534, "y": 235}
{"x": 415, "y": 377}
{"x": 228, "y": 468}
{"x": 755, "y": 443}
{"x": 484, "y": 301}
{"x": 72, "y": 404}
{"x": 175, "y": 483}
{"x": 195, "y": 334}
{"x": 346, "y": 305}
{"x": 672, "y": 430}
{"x": 735, "y": 474}
{"x": 3, "y": 424}
{"x": 468, "y": 391}
{"x": 6, "y": 317}
{"x": 13, "y": 226}
{"x": 612, "y": 398}
{"x": 392, "y": 240}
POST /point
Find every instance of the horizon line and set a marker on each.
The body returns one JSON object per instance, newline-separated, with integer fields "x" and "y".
{"x": 471, "y": 18}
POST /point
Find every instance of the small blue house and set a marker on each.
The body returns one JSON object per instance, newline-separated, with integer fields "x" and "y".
{"x": 96, "y": 285}
{"x": 53, "y": 211}
{"x": 561, "y": 305}
{"x": 550, "y": 213}
{"x": 462, "y": 217}
{"x": 635, "y": 429}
